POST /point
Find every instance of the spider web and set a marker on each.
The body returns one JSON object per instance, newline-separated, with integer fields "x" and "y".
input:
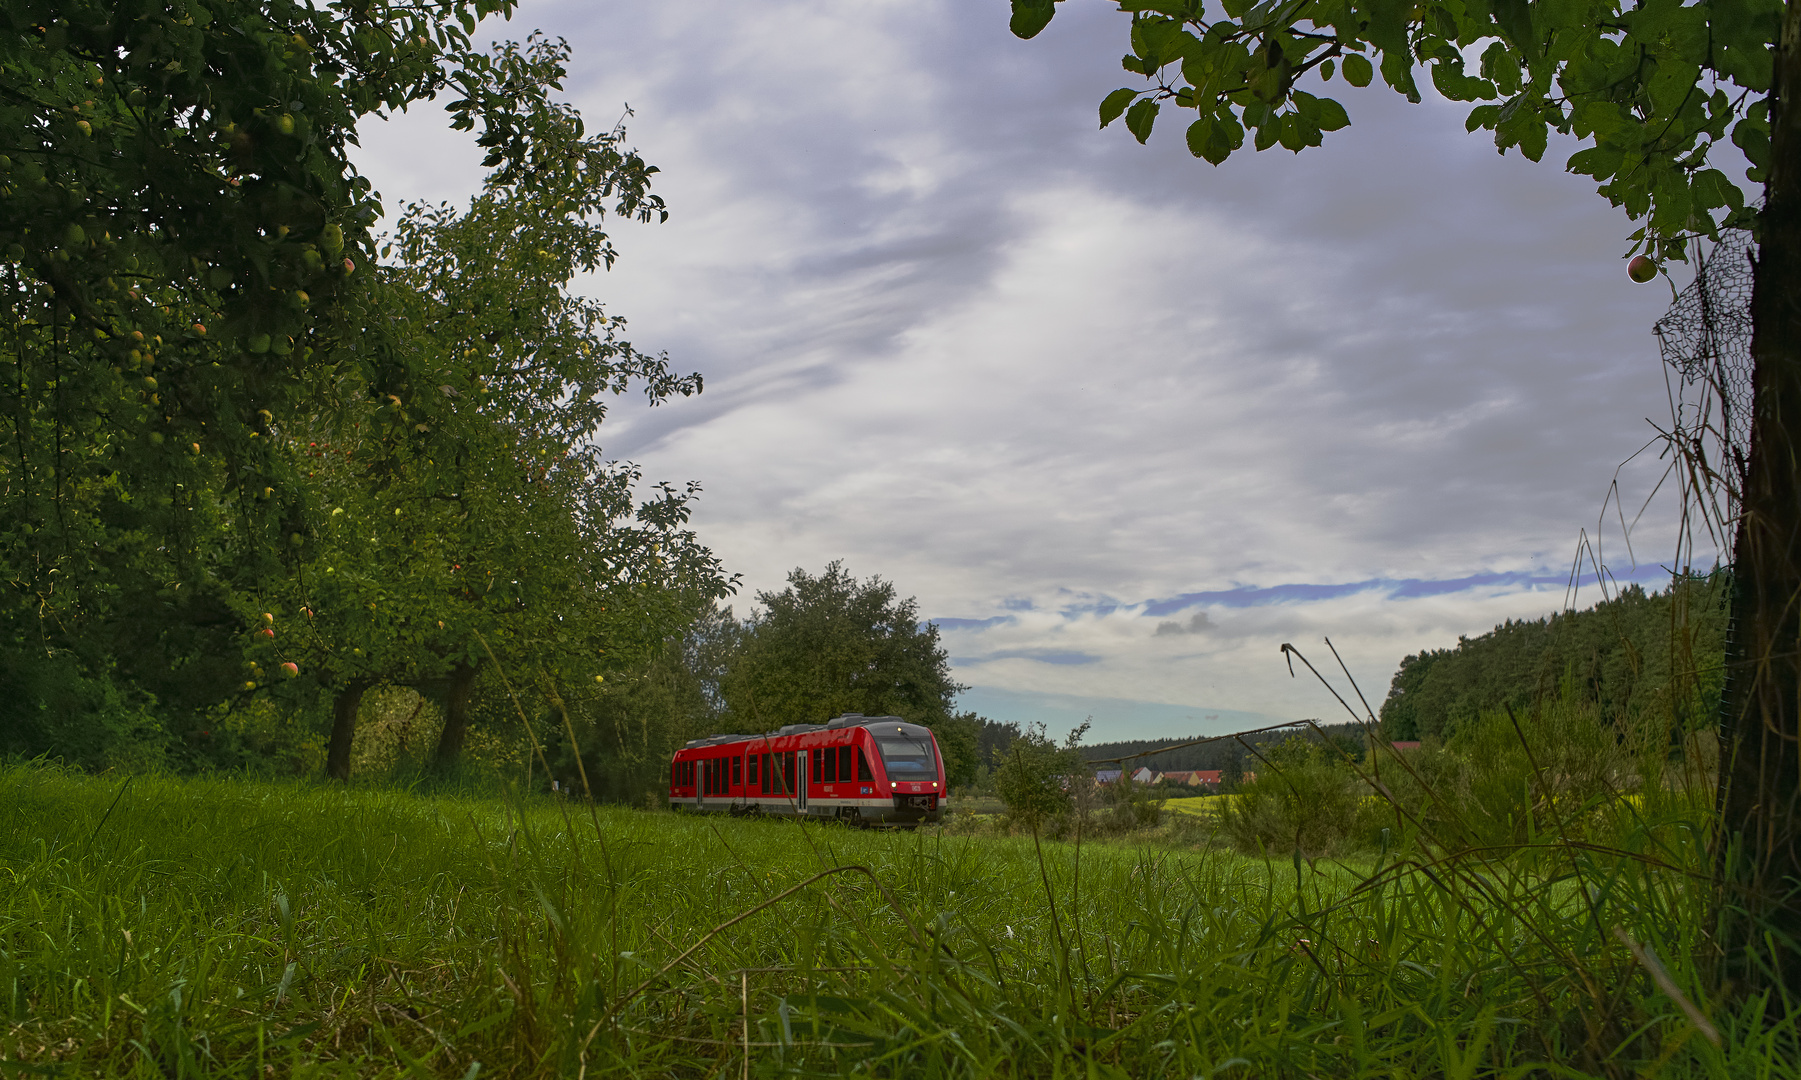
{"x": 1705, "y": 342}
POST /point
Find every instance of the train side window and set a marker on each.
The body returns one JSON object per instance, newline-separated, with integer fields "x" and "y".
{"x": 830, "y": 773}
{"x": 788, "y": 772}
{"x": 751, "y": 778}
{"x": 769, "y": 781}
{"x": 863, "y": 770}
{"x": 844, "y": 753}
{"x": 814, "y": 773}
{"x": 737, "y": 771}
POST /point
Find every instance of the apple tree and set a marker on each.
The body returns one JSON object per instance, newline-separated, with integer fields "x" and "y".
{"x": 185, "y": 247}
{"x": 458, "y": 505}
{"x": 1651, "y": 90}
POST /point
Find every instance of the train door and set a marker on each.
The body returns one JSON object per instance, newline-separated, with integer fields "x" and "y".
{"x": 800, "y": 787}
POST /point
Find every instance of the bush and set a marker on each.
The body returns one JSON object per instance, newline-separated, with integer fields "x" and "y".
{"x": 1508, "y": 777}
{"x": 1305, "y": 799}
{"x": 1034, "y": 776}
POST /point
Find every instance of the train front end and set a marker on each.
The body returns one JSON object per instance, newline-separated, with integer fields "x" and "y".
{"x": 915, "y": 774}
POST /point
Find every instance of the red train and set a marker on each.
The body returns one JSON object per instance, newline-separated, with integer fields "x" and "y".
{"x": 865, "y": 770}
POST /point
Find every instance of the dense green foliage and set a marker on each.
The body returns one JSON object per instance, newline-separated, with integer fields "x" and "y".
{"x": 1501, "y": 780}
{"x": 261, "y": 459}
{"x": 210, "y": 928}
{"x": 1658, "y": 652}
{"x": 1650, "y": 89}
{"x": 1037, "y": 779}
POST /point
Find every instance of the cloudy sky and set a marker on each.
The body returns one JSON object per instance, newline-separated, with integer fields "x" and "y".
{"x": 1122, "y": 421}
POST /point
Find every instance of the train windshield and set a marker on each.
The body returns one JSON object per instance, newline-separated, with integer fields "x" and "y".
{"x": 908, "y": 757}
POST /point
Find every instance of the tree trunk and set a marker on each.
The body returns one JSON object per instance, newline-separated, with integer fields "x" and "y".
{"x": 1760, "y": 767}
{"x": 456, "y": 716}
{"x": 343, "y": 728}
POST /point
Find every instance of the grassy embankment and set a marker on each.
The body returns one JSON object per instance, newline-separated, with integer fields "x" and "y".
{"x": 189, "y": 928}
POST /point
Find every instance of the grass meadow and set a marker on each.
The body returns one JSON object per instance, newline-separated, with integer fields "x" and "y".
{"x": 174, "y": 928}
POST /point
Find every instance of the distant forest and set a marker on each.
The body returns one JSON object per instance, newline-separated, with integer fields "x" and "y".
{"x": 1658, "y": 649}
{"x": 1639, "y": 649}
{"x": 1216, "y": 755}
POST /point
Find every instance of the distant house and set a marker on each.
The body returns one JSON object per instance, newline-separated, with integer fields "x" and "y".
{"x": 1201, "y": 778}
{"x": 1144, "y": 776}
{"x": 1412, "y": 744}
{"x": 1107, "y": 776}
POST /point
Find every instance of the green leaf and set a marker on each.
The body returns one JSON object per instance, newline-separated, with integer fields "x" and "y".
{"x": 1213, "y": 138}
{"x": 1330, "y": 115}
{"x": 1140, "y": 117}
{"x": 1712, "y": 188}
{"x": 1534, "y": 138}
{"x": 1598, "y": 162}
{"x": 1397, "y": 72}
{"x": 1357, "y": 69}
{"x": 1115, "y": 103}
{"x": 1031, "y": 16}
{"x": 1514, "y": 17}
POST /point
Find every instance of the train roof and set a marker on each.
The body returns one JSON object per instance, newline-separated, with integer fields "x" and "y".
{"x": 836, "y": 723}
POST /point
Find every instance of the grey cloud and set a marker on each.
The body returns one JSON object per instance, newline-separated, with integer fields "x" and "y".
{"x": 1198, "y": 624}
{"x": 959, "y": 337}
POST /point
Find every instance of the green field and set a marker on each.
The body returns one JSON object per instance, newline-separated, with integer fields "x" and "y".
{"x": 213, "y": 927}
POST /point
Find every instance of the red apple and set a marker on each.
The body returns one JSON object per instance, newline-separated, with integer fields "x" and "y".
{"x": 1641, "y": 269}
{"x": 268, "y": 618}
{"x": 290, "y": 669}
{"x": 265, "y": 632}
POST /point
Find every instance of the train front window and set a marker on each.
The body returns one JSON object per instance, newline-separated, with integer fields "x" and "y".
{"x": 908, "y": 757}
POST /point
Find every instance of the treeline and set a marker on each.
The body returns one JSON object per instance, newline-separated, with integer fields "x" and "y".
{"x": 1660, "y": 650}
{"x": 1220, "y": 754}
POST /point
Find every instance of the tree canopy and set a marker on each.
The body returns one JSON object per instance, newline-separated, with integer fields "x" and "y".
{"x": 259, "y": 450}
{"x": 1651, "y": 89}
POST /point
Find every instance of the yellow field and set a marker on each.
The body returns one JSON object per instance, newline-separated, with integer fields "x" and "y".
{"x": 1198, "y": 805}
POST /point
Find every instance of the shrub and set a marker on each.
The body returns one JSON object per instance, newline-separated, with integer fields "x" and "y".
{"x": 1034, "y": 776}
{"x": 1507, "y": 777}
{"x": 1304, "y": 799}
